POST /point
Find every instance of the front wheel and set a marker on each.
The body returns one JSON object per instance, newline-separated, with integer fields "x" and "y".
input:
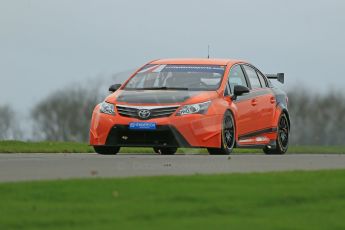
{"x": 282, "y": 141}
{"x": 228, "y": 136}
{"x": 106, "y": 150}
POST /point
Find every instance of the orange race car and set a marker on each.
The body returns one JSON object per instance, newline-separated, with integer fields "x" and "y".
{"x": 218, "y": 104}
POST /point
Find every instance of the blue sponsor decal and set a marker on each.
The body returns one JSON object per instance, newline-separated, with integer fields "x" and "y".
{"x": 142, "y": 125}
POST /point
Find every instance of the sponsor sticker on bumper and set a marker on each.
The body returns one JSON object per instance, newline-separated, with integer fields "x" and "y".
{"x": 142, "y": 125}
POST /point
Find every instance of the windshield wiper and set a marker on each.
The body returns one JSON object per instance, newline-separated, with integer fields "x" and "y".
{"x": 164, "y": 88}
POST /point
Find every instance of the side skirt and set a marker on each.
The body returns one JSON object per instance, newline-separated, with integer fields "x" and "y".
{"x": 272, "y": 145}
{"x": 254, "y": 146}
{"x": 258, "y": 133}
{"x": 257, "y": 139}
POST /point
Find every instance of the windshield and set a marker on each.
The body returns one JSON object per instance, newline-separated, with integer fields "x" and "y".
{"x": 177, "y": 77}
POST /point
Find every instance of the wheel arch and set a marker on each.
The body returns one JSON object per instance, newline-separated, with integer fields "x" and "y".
{"x": 285, "y": 111}
{"x": 233, "y": 113}
{"x": 281, "y": 107}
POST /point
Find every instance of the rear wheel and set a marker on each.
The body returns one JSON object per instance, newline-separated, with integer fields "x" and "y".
{"x": 165, "y": 150}
{"x": 282, "y": 141}
{"x": 106, "y": 150}
{"x": 228, "y": 136}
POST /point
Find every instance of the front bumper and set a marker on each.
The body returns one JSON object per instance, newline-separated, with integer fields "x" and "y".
{"x": 193, "y": 130}
{"x": 163, "y": 136}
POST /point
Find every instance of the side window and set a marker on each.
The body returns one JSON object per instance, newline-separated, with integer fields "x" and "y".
{"x": 262, "y": 79}
{"x": 227, "y": 90}
{"x": 253, "y": 78}
{"x": 236, "y": 77}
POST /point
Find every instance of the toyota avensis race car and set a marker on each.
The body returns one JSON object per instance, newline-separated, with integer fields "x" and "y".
{"x": 199, "y": 103}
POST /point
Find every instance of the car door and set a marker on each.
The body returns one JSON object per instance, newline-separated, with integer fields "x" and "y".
{"x": 268, "y": 105}
{"x": 245, "y": 111}
{"x": 261, "y": 100}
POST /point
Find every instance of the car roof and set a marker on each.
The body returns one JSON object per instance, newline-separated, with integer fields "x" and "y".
{"x": 196, "y": 61}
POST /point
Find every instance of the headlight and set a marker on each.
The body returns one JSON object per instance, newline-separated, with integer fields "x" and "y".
{"x": 107, "y": 108}
{"x": 199, "y": 108}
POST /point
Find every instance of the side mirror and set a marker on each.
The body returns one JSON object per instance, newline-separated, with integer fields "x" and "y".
{"x": 114, "y": 87}
{"x": 239, "y": 90}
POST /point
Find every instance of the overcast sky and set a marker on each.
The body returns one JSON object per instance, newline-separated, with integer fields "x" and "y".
{"x": 46, "y": 45}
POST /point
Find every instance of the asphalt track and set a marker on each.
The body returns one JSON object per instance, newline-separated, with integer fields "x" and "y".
{"x": 24, "y": 167}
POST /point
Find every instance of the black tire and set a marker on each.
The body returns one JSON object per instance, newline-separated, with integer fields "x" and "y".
{"x": 106, "y": 150}
{"x": 282, "y": 142}
{"x": 165, "y": 150}
{"x": 228, "y": 136}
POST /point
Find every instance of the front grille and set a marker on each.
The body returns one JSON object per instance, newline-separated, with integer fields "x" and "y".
{"x": 154, "y": 111}
{"x": 163, "y": 136}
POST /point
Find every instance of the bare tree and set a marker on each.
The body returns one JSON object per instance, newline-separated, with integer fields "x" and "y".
{"x": 317, "y": 119}
{"x": 9, "y": 128}
{"x": 65, "y": 115}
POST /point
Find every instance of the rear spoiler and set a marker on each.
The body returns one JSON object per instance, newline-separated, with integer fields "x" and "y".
{"x": 278, "y": 76}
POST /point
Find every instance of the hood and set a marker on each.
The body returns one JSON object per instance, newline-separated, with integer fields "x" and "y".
{"x": 161, "y": 96}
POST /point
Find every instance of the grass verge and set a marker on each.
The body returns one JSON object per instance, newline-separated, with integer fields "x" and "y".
{"x": 284, "y": 200}
{"x": 73, "y": 147}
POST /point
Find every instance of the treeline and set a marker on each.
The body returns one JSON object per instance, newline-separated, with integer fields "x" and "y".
{"x": 317, "y": 119}
{"x": 9, "y": 128}
{"x": 65, "y": 115}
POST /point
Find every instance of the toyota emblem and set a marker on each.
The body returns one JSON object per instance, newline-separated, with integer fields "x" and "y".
{"x": 144, "y": 113}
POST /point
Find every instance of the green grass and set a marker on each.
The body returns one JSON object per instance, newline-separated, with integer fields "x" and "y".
{"x": 317, "y": 149}
{"x": 72, "y": 147}
{"x": 44, "y": 147}
{"x": 284, "y": 200}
